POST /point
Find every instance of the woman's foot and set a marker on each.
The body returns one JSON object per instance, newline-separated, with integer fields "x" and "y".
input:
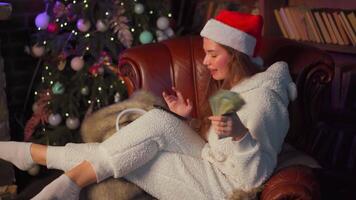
{"x": 18, "y": 153}
{"x": 61, "y": 188}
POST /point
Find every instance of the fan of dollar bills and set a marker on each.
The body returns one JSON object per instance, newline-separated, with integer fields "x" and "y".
{"x": 225, "y": 101}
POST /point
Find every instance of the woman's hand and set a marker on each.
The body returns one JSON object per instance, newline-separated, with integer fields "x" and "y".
{"x": 178, "y": 104}
{"x": 228, "y": 126}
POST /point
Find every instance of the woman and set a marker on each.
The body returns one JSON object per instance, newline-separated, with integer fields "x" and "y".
{"x": 162, "y": 155}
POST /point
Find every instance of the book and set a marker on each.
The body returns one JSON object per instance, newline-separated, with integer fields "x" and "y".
{"x": 352, "y": 18}
{"x": 340, "y": 41}
{"x": 328, "y": 27}
{"x": 340, "y": 28}
{"x": 313, "y": 27}
{"x": 322, "y": 27}
{"x": 292, "y": 23}
{"x": 287, "y": 24}
{"x": 299, "y": 20}
{"x": 347, "y": 27}
{"x": 280, "y": 23}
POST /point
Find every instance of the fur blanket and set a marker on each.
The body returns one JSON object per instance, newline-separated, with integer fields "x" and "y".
{"x": 100, "y": 125}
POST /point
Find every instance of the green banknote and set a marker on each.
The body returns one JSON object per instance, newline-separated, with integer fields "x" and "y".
{"x": 225, "y": 101}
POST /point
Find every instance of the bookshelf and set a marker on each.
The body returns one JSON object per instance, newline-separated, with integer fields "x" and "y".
{"x": 334, "y": 44}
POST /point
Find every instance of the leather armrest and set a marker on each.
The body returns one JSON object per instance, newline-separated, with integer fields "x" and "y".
{"x": 294, "y": 182}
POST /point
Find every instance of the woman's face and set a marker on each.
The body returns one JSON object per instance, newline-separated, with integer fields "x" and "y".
{"x": 216, "y": 58}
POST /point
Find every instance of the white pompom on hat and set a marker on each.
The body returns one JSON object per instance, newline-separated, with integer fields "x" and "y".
{"x": 239, "y": 31}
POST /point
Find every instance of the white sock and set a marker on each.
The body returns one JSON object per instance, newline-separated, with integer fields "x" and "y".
{"x": 18, "y": 153}
{"x": 61, "y": 188}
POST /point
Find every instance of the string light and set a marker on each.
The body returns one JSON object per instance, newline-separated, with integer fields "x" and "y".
{"x": 57, "y": 20}
{"x": 169, "y": 14}
{"x": 107, "y": 13}
{"x": 49, "y": 73}
{"x": 99, "y": 88}
{"x": 43, "y": 79}
{"x": 61, "y": 25}
{"x": 132, "y": 30}
{"x": 47, "y": 94}
{"x": 89, "y": 102}
{"x": 98, "y": 100}
{"x": 36, "y": 93}
{"x": 87, "y": 48}
{"x": 122, "y": 4}
{"x": 112, "y": 39}
{"x": 46, "y": 67}
{"x": 39, "y": 28}
{"x": 87, "y": 35}
{"x": 44, "y": 42}
{"x": 74, "y": 2}
{"x": 67, "y": 114}
{"x": 86, "y": 5}
{"x": 51, "y": 82}
{"x": 65, "y": 23}
{"x": 151, "y": 12}
{"x": 111, "y": 86}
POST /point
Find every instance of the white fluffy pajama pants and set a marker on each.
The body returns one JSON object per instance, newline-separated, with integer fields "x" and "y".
{"x": 162, "y": 155}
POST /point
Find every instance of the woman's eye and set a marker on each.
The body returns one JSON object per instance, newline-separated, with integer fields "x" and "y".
{"x": 213, "y": 56}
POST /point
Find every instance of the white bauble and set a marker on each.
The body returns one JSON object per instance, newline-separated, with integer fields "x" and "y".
{"x": 77, "y": 63}
{"x": 83, "y": 25}
{"x": 54, "y": 119}
{"x": 34, "y": 170}
{"x": 42, "y": 20}
{"x": 37, "y": 50}
{"x": 162, "y": 23}
{"x": 101, "y": 26}
{"x": 84, "y": 91}
{"x": 34, "y": 107}
{"x": 161, "y": 38}
{"x": 169, "y": 32}
{"x": 139, "y": 8}
{"x": 72, "y": 123}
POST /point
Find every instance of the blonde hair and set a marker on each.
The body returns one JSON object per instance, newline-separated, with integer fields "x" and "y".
{"x": 240, "y": 67}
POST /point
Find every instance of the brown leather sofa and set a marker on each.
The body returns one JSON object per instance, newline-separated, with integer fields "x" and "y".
{"x": 178, "y": 62}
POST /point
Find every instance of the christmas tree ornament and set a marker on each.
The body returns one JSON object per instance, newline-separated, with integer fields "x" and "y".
{"x": 54, "y": 119}
{"x": 59, "y": 9}
{"x": 42, "y": 20}
{"x": 101, "y": 26}
{"x": 58, "y": 88}
{"x": 77, "y": 63}
{"x": 37, "y": 50}
{"x": 72, "y": 123}
{"x": 83, "y": 25}
{"x": 139, "y": 8}
{"x": 84, "y": 91}
{"x": 146, "y": 37}
{"x": 33, "y": 171}
{"x": 117, "y": 97}
{"x": 52, "y": 27}
{"x": 34, "y": 107}
{"x": 169, "y": 32}
{"x": 162, "y": 23}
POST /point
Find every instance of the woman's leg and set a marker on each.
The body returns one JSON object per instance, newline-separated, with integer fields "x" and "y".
{"x": 134, "y": 146}
{"x": 24, "y": 155}
{"x": 140, "y": 141}
{"x": 68, "y": 185}
{"x": 175, "y": 176}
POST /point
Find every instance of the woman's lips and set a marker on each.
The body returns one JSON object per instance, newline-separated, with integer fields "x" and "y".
{"x": 213, "y": 71}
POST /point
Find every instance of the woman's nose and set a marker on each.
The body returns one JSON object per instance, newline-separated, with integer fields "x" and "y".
{"x": 206, "y": 60}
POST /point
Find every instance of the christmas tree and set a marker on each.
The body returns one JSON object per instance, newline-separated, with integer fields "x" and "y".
{"x": 78, "y": 43}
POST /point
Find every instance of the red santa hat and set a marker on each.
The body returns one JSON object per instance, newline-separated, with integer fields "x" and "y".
{"x": 240, "y": 31}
